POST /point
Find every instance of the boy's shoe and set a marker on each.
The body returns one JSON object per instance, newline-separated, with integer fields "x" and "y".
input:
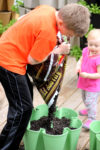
{"x": 86, "y": 125}
{"x": 83, "y": 112}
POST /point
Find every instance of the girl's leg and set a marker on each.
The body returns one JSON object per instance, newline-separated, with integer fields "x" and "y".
{"x": 83, "y": 112}
{"x": 91, "y": 104}
{"x": 83, "y": 96}
{"x": 20, "y": 108}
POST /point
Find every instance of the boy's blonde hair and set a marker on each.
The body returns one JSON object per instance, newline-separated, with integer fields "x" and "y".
{"x": 95, "y": 33}
{"x": 76, "y": 17}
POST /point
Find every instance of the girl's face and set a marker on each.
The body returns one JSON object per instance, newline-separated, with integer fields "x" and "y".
{"x": 94, "y": 46}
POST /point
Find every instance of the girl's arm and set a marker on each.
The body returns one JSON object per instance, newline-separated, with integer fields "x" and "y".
{"x": 91, "y": 75}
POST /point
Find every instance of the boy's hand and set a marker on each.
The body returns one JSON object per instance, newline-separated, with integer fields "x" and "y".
{"x": 62, "y": 49}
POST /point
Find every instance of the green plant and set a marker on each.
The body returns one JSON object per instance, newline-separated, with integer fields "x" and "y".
{"x": 4, "y": 28}
{"x": 76, "y": 52}
{"x": 90, "y": 28}
{"x": 93, "y": 8}
{"x": 20, "y": 3}
{"x": 1, "y": 29}
{"x": 9, "y": 24}
{"x": 84, "y": 3}
{"x": 15, "y": 7}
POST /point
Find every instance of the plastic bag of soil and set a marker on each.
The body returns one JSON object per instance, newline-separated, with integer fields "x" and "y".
{"x": 48, "y": 76}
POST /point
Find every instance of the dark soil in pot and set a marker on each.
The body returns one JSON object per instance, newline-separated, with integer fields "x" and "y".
{"x": 51, "y": 124}
{"x": 58, "y": 125}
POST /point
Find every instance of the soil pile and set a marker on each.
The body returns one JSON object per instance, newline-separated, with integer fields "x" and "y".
{"x": 55, "y": 128}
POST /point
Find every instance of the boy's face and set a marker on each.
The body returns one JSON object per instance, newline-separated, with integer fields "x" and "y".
{"x": 65, "y": 31}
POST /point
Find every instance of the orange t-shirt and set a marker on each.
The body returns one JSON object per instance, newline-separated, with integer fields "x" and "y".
{"x": 34, "y": 34}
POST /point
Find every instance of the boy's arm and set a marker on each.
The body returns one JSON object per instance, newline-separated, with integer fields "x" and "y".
{"x": 91, "y": 75}
{"x": 62, "y": 49}
{"x": 32, "y": 61}
{"x": 78, "y": 66}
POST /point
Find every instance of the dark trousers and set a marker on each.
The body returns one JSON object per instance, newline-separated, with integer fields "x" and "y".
{"x": 19, "y": 92}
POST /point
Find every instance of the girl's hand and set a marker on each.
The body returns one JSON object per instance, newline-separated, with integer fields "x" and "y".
{"x": 62, "y": 49}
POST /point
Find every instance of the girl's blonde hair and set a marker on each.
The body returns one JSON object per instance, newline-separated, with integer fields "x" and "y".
{"x": 76, "y": 17}
{"x": 95, "y": 33}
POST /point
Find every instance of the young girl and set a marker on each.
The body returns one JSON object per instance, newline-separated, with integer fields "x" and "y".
{"x": 89, "y": 76}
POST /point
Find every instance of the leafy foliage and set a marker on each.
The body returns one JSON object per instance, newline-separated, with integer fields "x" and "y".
{"x": 20, "y": 2}
{"x": 93, "y": 8}
{"x": 1, "y": 28}
{"x": 4, "y": 28}
{"x": 76, "y": 51}
{"x": 15, "y": 7}
{"x": 90, "y": 28}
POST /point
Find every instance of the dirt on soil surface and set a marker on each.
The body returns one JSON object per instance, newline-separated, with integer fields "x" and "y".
{"x": 58, "y": 125}
{"x": 51, "y": 124}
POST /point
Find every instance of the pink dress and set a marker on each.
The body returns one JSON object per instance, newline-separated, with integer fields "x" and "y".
{"x": 89, "y": 65}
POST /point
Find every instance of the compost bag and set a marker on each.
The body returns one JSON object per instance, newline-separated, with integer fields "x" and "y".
{"x": 48, "y": 76}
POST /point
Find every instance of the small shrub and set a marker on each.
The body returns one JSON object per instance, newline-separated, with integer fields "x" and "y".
{"x": 4, "y": 28}
{"x": 76, "y": 52}
{"x": 15, "y": 7}
{"x": 93, "y": 8}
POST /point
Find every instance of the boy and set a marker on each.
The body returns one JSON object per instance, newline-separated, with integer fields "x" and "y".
{"x": 30, "y": 41}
